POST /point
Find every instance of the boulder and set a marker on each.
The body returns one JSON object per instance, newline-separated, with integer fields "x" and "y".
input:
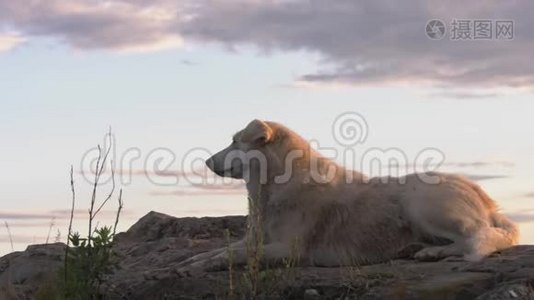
{"x": 151, "y": 249}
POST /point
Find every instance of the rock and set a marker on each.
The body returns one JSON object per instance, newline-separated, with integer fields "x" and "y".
{"x": 311, "y": 294}
{"x": 23, "y": 273}
{"x": 156, "y": 226}
{"x": 520, "y": 290}
{"x": 150, "y": 251}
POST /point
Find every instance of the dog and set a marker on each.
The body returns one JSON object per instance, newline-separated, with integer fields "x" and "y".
{"x": 343, "y": 217}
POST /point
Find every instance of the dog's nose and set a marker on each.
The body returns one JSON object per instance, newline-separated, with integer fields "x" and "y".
{"x": 210, "y": 163}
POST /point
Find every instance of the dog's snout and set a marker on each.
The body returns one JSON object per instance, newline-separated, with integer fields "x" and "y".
{"x": 210, "y": 163}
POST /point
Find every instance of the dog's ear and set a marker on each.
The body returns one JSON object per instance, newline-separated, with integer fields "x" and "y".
{"x": 257, "y": 132}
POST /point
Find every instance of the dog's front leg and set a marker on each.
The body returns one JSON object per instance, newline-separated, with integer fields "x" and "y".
{"x": 206, "y": 255}
{"x": 272, "y": 253}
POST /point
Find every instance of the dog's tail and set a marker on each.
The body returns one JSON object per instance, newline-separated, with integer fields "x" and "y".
{"x": 500, "y": 233}
{"x": 508, "y": 230}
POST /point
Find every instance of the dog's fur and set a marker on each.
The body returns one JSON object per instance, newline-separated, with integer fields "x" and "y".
{"x": 366, "y": 221}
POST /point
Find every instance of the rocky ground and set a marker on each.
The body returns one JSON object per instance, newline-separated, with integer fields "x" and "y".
{"x": 150, "y": 250}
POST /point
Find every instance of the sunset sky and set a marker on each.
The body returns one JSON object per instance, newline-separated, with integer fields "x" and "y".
{"x": 184, "y": 75}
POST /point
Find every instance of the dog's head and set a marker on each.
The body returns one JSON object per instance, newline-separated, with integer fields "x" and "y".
{"x": 268, "y": 151}
{"x": 249, "y": 146}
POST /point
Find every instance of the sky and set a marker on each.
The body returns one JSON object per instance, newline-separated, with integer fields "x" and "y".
{"x": 176, "y": 79}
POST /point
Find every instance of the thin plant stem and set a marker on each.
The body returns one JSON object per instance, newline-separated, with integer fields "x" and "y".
{"x": 69, "y": 233}
{"x": 9, "y": 235}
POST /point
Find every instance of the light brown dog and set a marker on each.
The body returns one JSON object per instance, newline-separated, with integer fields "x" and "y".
{"x": 337, "y": 222}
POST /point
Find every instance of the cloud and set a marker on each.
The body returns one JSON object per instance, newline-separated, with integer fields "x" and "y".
{"x": 210, "y": 212}
{"x": 9, "y": 41}
{"x": 187, "y": 62}
{"x": 480, "y": 177}
{"x": 456, "y": 164}
{"x": 202, "y": 173}
{"x": 23, "y": 239}
{"x": 480, "y": 164}
{"x": 117, "y": 25}
{"x": 370, "y": 42}
{"x": 357, "y": 42}
{"x": 50, "y": 214}
{"x": 200, "y": 177}
{"x": 218, "y": 186}
{"x": 197, "y": 189}
{"x": 199, "y": 192}
{"x": 522, "y": 216}
{"x": 464, "y": 95}
{"x": 84, "y": 212}
{"x": 38, "y": 224}
{"x": 11, "y": 215}
{"x": 198, "y": 182}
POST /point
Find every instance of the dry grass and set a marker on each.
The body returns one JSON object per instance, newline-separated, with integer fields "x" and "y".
{"x": 258, "y": 280}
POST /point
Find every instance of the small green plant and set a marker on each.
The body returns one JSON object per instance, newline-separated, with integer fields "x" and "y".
{"x": 89, "y": 261}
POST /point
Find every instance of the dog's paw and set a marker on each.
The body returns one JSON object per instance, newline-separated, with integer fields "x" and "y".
{"x": 199, "y": 268}
{"x": 429, "y": 254}
{"x": 199, "y": 257}
{"x": 453, "y": 259}
{"x": 410, "y": 250}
